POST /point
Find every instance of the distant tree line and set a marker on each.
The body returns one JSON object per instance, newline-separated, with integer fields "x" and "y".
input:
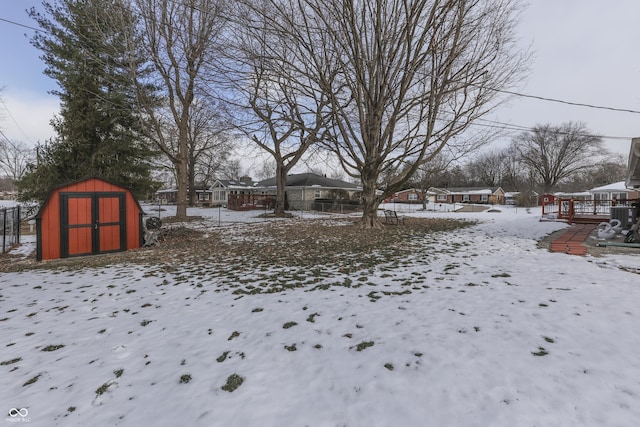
{"x": 548, "y": 158}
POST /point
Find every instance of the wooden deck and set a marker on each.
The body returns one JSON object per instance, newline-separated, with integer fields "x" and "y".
{"x": 590, "y": 219}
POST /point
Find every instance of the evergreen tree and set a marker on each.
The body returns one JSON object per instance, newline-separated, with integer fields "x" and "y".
{"x": 87, "y": 49}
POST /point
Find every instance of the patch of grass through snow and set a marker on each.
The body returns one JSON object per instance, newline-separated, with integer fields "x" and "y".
{"x": 53, "y": 347}
{"x": 363, "y": 345}
{"x": 9, "y": 362}
{"x": 541, "y": 352}
{"x": 104, "y": 387}
{"x": 233, "y": 382}
{"x": 31, "y": 381}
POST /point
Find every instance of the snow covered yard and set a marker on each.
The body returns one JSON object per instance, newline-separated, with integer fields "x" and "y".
{"x": 471, "y": 327}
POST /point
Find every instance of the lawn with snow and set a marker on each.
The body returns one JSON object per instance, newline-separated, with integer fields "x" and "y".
{"x": 472, "y": 327}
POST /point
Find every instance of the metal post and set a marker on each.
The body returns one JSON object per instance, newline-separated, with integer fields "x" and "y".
{"x": 18, "y": 224}
{"x": 4, "y": 229}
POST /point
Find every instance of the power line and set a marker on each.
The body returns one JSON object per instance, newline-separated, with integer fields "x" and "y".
{"x": 5, "y": 136}
{"x": 520, "y": 128}
{"x": 14, "y": 121}
{"x": 560, "y": 101}
{"x": 23, "y": 25}
{"x": 498, "y": 125}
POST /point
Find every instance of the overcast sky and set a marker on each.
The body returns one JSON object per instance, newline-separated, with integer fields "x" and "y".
{"x": 584, "y": 51}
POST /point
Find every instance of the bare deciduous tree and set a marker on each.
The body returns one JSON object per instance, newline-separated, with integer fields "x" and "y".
{"x": 208, "y": 143}
{"x": 232, "y": 169}
{"x": 278, "y": 105}
{"x": 404, "y": 79}
{"x": 15, "y": 157}
{"x": 554, "y": 153}
{"x": 179, "y": 38}
{"x": 490, "y": 168}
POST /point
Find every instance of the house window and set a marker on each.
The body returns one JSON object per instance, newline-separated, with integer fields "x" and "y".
{"x": 485, "y": 198}
{"x": 442, "y": 197}
{"x": 317, "y": 194}
{"x": 465, "y": 197}
{"x": 413, "y": 196}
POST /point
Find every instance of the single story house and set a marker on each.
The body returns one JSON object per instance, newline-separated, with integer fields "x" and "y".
{"x": 488, "y": 195}
{"x": 223, "y": 188}
{"x": 633, "y": 170}
{"x": 303, "y": 189}
{"x": 169, "y": 196}
{"x": 617, "y": 191}
{"x": 214, "y": 195}
{"x": 410, "y": 195}
{"x": 301, "y": 192}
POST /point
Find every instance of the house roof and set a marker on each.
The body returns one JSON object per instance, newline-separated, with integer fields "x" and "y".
{"x": 576, "y": 194}
{"x": 616, "y": 186}
{"x": 234, "y": 183}
{"x": 408, "y": 190}
{"x": 309, "y": 180}
{"x": 467, "y": 190}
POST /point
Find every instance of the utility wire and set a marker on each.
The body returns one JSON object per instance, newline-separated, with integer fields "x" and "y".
{"x": 498, "y": 125}
{"x": 23, "y": 25}
{"x": 14, "y": 121}
{"x": 519, "y": 128}
{"x": 508, "y": 92}
{"x": 560, "y": 101}
{"x": 5, "y": 136}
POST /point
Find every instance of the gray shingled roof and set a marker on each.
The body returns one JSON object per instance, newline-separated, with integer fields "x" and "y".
{"x": 308, "y": 180}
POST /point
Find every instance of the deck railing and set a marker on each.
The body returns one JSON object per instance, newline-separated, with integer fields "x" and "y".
{"x": 242, "y": 202}
{"x": 570, "y": 209}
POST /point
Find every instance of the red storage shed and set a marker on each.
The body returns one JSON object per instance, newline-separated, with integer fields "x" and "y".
{"x": 90, "y": 216}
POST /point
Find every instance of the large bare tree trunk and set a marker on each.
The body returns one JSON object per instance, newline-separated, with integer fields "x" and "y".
{"x": 370, "y": 206}
{"x": 181, "y": 201}
{"x": 281, "y": 186}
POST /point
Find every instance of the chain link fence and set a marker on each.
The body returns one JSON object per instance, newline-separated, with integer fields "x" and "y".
{"x": 10, "y": 221}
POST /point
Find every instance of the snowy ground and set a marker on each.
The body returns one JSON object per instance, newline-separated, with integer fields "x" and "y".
{"x": 479, "y": 328}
